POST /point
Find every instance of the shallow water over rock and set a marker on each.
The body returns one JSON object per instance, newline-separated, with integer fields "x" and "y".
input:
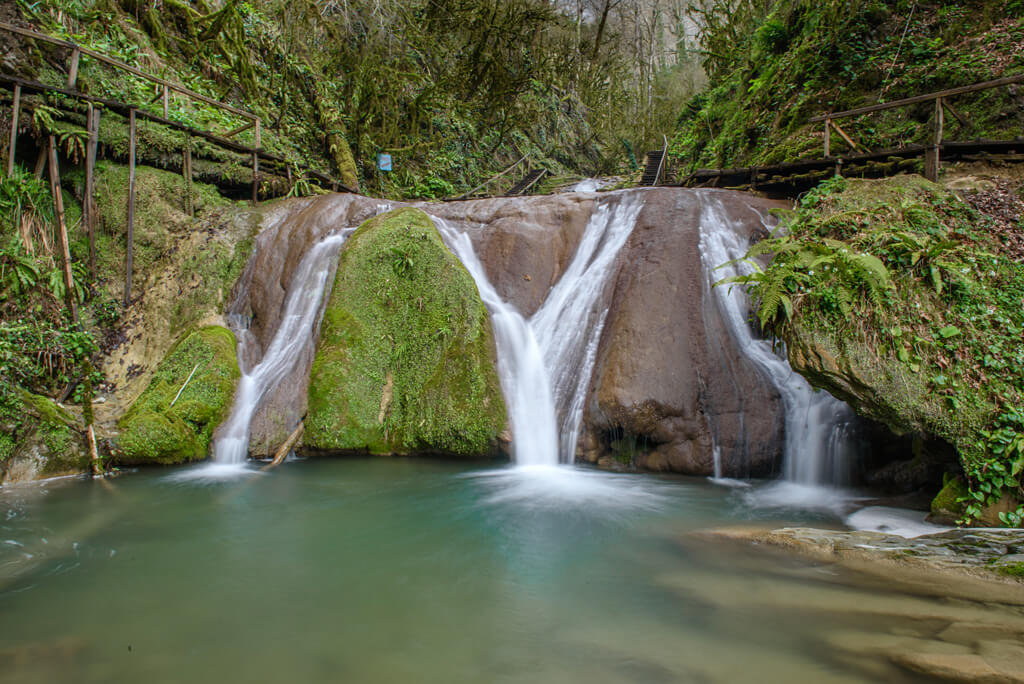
{"x": 429, "y": 571}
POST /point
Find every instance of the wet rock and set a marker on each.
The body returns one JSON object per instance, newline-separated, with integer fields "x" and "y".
{"x": 668, "y": 371}
{"x": 958, "y": 563}
{"x": 971, "y": 668}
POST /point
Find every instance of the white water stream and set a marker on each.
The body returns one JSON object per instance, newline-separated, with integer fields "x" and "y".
{"x": 545, "y": 363}
{"x": 301, "y": 317}
{"x": 817, "y": 425}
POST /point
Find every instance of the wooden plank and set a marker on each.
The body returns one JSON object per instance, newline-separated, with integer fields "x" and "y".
{"x": 828, "y": 138}
{"x": 240, "y": 129}
{"x": 62, "y": 231}
{"x": 76, "y": 56}
{"x": 13, "y": 141}
{"x": 93, "y": 126}
{"x": 130, "y": 239}
{"x": 842, "y": 133}
{"x": 984, "y": 85}
{"x": 166, "y": 100}
{"x": 258, "y": 142}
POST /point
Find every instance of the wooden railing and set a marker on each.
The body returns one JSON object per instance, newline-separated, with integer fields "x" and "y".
{"x": 941, "y": 100}
{"x": 166, "y": 87}
{"x": 94, "y": 105}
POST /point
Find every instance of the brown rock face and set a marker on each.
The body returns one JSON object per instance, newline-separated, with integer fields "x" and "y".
{"x": 669, "y": 379}
{"x": 524, "y": 244}
{"x": 668, "y": 370}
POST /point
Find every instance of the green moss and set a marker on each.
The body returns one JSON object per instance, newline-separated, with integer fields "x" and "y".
{"x": 406, "y": 358}
{"x": 1011, "y": 570}
{"x": 33, "y": 421}
{"x": 937, "y": 350}
{"x": 159, "y": 217}
{"x": 947, "y": 501}
{"x": 153, "y": 431}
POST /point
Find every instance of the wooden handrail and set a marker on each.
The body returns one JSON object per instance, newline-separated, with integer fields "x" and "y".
{"x": 28, "y": 33}
{"x": 25, "y": 86}
{"x": 985, "y": 85}
{"x": 493, "y": 178}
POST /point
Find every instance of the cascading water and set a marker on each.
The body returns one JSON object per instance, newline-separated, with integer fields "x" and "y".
{"x": 301, "y": 318}
{"x": 568, "y": 324}
{"x": 817, "y": 424}
{"x": 524, "y": 379}
{"x": 545, "y": 363}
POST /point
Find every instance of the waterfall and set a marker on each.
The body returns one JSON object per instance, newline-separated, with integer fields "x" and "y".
{"x": 299, "y": 322}
{"x": 545, "y": 363}
{"x": 568, "y": 324}
{"x": 817, "y": 424}
{"x": 524, "y": 379}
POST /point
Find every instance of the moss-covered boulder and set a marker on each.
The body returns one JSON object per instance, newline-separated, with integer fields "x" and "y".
{"x": 38, "y": 439}
{"x": 406, "y": 357}
{"x": 154, "y": 431}
{"x": 906, "y": 301}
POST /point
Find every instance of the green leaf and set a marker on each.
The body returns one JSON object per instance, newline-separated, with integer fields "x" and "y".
{"x": 949, "y": 331}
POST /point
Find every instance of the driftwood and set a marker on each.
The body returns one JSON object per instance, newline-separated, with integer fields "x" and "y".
{"x": 285, "y": 449}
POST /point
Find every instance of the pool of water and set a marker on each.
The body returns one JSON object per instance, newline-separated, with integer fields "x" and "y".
{"x": 397, "y": 570}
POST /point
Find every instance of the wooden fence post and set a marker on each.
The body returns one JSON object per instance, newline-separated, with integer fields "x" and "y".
{"x": 255, "y": 177}
{"x": 166, "y": 100}
{"x": 131, "y": 210}
{"x": 76, "y": 56}
{"x": 93, "y": 126}
{"x": 828, "y": 138}
{"x": 931, "y": 160}
{"x": 186, "y": 170}
{"x": 13, "y": 143}
{"x": 65, "y": 253}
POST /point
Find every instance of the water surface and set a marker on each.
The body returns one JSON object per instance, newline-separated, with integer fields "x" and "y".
{"x": 398, "y": 570}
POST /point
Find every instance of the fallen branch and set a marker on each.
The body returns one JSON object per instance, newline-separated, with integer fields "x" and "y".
{"x": 286, "y": 448}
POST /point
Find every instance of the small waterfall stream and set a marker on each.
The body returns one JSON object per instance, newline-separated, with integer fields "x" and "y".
{"x": 817, "y": 424}
{"x": 302, "y": 311}
{"x": 545, "y": 363}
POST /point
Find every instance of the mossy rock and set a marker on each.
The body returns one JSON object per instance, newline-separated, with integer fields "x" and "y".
{"x": 38, "y": 439}
{"x": 946, "y": 507}
{"x": 406, "y": 359}
{"x": 153, "y": 431}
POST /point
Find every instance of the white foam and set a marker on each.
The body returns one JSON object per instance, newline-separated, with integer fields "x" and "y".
{"x": 898, "y": 521}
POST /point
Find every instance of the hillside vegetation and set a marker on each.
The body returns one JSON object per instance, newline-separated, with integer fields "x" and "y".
{"x": 774, "y": 65}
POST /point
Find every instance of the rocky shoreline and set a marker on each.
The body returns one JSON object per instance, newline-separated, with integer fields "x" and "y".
{"x": 968, "y": 584}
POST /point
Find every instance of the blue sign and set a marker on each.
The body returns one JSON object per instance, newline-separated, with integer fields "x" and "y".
{"x": 384, "y": 162}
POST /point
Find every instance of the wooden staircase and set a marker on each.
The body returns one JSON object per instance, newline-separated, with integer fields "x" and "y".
{"x": 528, "y": 181}
{"x": 654, "y": 167}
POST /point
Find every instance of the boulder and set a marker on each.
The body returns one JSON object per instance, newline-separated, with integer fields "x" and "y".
{"x": 406, "y": 357}
{"x": 39, "y": 439}
{"x": 165, "y": 427}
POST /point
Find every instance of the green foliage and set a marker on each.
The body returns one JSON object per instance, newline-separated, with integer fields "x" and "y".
{"x": 154, "y": 431}
{"x": 774, "y": 65}
{"x": 406, "y": 358}
{"x": 922, "y": 304}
